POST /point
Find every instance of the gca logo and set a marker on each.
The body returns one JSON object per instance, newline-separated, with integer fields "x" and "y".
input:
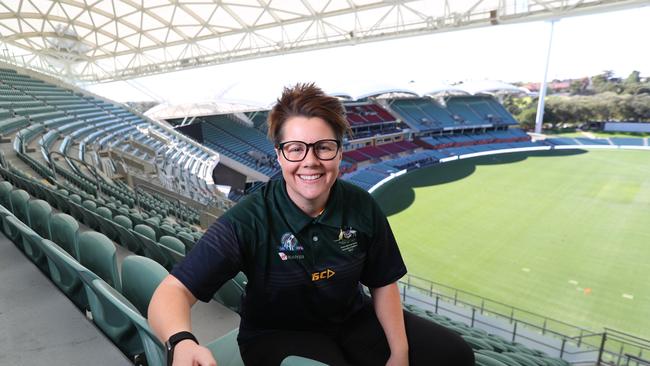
{"x": 322, "y": 275}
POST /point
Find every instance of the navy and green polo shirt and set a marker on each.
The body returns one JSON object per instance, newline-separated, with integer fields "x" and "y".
{"x": 304, "y": 273}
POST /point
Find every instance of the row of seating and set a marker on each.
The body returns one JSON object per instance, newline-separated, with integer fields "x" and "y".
{"x": 490, "y": 350}
{"x": 83, "y": 265}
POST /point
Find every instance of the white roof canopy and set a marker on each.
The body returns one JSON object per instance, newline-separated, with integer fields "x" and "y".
{"x": 103, "y": 40}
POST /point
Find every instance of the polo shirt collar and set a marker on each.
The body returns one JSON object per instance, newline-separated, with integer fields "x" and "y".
{"x": 298, "y": 220}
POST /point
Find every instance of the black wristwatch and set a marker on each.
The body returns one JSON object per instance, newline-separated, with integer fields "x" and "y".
{"x": 173, "y": 341}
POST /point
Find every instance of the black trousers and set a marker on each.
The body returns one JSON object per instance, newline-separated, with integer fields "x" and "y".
{"x": 360, "y": 342}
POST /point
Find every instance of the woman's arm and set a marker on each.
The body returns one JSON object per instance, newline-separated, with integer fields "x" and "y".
{"x": 169, "y": 313}
{"x": 388, "y": 307}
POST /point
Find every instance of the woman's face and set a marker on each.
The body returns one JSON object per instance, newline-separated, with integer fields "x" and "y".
{"x": 308, "y": 181}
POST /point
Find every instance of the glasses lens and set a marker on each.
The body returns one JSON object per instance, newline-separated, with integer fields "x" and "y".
{"x": 326, "y": 149}
{"x": 294, "y": 151}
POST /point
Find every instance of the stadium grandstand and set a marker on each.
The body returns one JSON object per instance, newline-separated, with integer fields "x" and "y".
{"x": 98, "y": 201}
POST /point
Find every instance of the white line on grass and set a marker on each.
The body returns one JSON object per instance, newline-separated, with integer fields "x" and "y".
{"x": 628, "y": 296}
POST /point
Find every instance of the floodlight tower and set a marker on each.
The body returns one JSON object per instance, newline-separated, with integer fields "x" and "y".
{"x": 542, "y": 88}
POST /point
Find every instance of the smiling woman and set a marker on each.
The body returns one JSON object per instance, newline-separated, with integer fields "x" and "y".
{"x": 307, "y": 243}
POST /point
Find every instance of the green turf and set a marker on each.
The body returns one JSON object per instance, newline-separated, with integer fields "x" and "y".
{"x": 534, "y": 231}
{"x": 600, "y": 134}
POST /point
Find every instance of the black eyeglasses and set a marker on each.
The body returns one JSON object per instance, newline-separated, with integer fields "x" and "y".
{"x": 295, "y": 151}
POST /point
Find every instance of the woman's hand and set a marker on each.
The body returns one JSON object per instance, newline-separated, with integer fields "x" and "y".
{"x": 188, "y": 353}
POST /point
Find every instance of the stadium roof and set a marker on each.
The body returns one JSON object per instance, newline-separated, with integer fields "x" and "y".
{"x": 491, "y": 87}
{"x": 104, "y": 40}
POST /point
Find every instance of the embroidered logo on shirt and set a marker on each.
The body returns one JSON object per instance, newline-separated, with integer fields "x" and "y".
{"x": 322, "y": 275}
{"x": 290, "y": 248}
{"x": 347, "y": 239}
{"x": 289, "y": 243}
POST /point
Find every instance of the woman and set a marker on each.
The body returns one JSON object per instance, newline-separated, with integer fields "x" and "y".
{"x": 306, "y": 243}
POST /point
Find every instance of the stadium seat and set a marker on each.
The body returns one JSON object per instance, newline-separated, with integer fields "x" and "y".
{"x": 147, "y": 341}
{"x": 5, "y": 191}
{"x": 140, "y": 278}
{"x": 150, "y": 247}
{"x": 19, "y": 199}
{"x": 39, "y": 214}
{"x": 230, "y": 294}
{"x": 88, "y": 213}
{"x": 300, "y": 361}
{"x": 64, "y": 273}
{"x": 105, "y": 219}
{"x": 109, "y": 318}
{"x": 173, "y": 248}
{"x": 64, "y": 229}
{"x": 484, "y": 360}
{"x": 98, "y": 254}
{"x": 30, "y": 243}
{"x": 126, "y": 236}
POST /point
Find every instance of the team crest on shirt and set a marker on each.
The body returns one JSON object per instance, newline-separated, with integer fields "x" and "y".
{"x": 347, "y": 239}
{"x": 290, "y": 248}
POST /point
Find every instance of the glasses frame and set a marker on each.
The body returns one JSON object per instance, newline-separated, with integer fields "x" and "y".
{"x": 280, "y": 146}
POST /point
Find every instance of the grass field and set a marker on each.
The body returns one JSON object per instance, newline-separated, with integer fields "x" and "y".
{"x": 600, "y": 134}
{"x": 563, "y": 234}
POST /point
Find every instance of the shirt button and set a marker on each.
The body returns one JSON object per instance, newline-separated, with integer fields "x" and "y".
{"x": 314, "y": 238}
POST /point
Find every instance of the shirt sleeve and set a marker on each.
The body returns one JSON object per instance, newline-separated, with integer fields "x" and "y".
{"x": 384, "y": 264}
{"x": 214, "y": 259}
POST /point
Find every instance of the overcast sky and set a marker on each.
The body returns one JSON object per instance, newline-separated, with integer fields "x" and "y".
{"x": 582, "y": 46}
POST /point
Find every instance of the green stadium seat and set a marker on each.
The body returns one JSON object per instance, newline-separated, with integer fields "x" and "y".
{"x": 140, "y": 278}
{"x": 65, "y": 229}
{"x": 143, "y": 234}
{"x": 230, "y": 294}
{"x": 119, "y": 307}
{"x": 39, "y": 214}
{"x": 19, "y": 199}
{"x": 500, "y": 357}
{"x": 88, "y": 212}
{"x": 300, "y": 361}
{"x": 98, "y": 254}
{"x": 105, "y": 219}
{"x": 64, "y": 273}
{"x": 5, "y": 191}
{"x": 173, "y": 248}
{"x": 30, "y": 243}
{"x": 110, "y": 319}
{"x": 125, "y": 235}
{"x": 484, "y": 360}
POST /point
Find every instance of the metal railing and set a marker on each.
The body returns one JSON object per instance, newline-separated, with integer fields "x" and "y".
{"x": 557, "y": 338}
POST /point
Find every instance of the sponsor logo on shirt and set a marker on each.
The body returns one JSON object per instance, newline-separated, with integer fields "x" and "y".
{"x": 347, "y": 239}
{"x": 285, "y": 256}
{"x": 322, "y": 275}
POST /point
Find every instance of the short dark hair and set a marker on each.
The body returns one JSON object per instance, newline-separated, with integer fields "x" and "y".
{"x": 307, "y": 100}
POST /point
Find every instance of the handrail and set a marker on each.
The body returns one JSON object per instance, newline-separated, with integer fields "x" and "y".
{"x": 90, "y": 168}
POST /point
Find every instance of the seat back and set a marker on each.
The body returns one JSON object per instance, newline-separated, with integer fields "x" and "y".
{"x": 145, "y": 230}
{"x": 5, "y": 191}
{"x": 98, "y": 254}
{"x": 152, "y": 249}
{"x": 39, "y": 213}
{"x": 172, "y": 243}
{"x": 64, "y": 229}
{"x": 89, "y": 216}
{"x": 111, "y": 299}
{"x": 125, "y": 235}
{"x": 64, "y": 273}
{"x": 230, "y": 294}
{"x": 19, "y": 198}
{"x": 106, "y": 224}
{"x": 140, "y": 278}
{"x": 30, "y": 242}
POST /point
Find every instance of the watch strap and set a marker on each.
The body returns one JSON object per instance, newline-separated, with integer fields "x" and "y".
{"x": 174, "y": 340}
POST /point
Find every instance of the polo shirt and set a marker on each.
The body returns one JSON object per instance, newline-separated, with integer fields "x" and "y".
{"x": 303, "y": 273}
